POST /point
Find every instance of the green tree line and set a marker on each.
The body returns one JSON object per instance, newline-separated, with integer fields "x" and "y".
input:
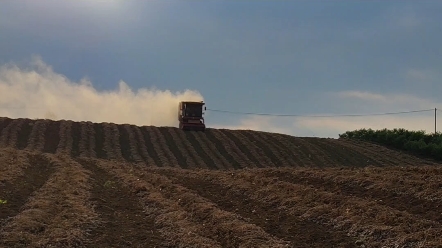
{"x": 417, "y": 142}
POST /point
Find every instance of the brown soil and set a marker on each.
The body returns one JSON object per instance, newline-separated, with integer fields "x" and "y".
{"x": 299, "y": 232}
{"x": 35, "y": 174}
{"x": 78, "y": 184}
{"x": 122, "y": 216}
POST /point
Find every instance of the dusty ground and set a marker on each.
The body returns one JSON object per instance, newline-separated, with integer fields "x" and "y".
{"x": 72, "y": 184}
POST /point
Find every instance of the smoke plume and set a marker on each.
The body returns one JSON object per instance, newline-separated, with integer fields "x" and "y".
{"x": 36, "y": 91}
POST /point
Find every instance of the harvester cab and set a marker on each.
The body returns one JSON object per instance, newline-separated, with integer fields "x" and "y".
{"x": 190, "y": 116}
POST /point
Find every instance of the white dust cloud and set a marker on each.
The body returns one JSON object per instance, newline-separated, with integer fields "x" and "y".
{"x": 36, "y": 91}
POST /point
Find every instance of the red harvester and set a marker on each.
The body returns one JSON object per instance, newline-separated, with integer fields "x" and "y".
{"x": 190, "y": 116}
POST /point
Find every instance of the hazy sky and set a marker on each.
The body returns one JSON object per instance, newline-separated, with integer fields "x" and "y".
{"x": 131, "y": 61}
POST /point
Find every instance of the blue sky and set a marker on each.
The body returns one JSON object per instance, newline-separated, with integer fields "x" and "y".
{"x": 286, "y": 57}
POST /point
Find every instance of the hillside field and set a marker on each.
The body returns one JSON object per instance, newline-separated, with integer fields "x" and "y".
{"x": 83, "y": 184}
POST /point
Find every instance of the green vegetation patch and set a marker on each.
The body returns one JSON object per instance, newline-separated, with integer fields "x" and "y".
{"x": 417, "y": 142}
{"x": 109, "y": 184}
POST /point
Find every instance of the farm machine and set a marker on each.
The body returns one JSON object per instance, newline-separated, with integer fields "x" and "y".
{"x": 190, "y": 116}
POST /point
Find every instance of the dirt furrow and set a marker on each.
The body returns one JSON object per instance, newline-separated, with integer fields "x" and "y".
{"x": 5, "y": 130}
{"x": 243, "y": 198}
{"x": 91, "y": 140}
{"x": 84, "y": 140}
{"x": 348, "y": 187}
{"x": 318, "y": 157}
{"x": 266, "y": 159}
{"x": 204, "y": 153}
{"x": 343, "y": 156}
{"x": 90, "y": 146}
{"x": 239, "y": 147}
{"x": 135, "y": 149}
{"x": 148, "y": 154}
{"x": 165, "y": 147}
{"x": 247, "y": 147}
{"x": 51, "y": 137}
{"x": 15, "y": 132}
{"x": 296, "y": 146}
{"x": 227, "y": 228}
{"x": 282, "y": 152}
{"x": 35, "y": 171}
{"x": 278, "y": 159}
{"x": 185, "y": 158}
{"x": 4, "y": 122}
{"x": 36, "y": 138}
{"x": 338, "y": 158}
{"x": 55, "y": 211}
{"x": 372, "y": 222}
{"x": 111, "y": 143}
{"x": 264, "y": 154}
{"x": 295, "y": 153}
{"x": 12, "y": 164}
{"x": 374, "y": 156}
{"x": 402, "y": 180}
{"x": 153, "y": 146}
{"x": 65, "y": 144}
{"x": 182, "y": 157}
{"x": 58, "y": 214}
{"x": 383, "y": 154}
{"x": 9, "y": 134}
{"x": 229, "y": 149}
{"x": 420, "y": 182}
{"x": 125, "y": 143}
{"x": 368, "y": 220}
{"x": 75, "y": 135}
{"x": 267, "y": 151}
{"x": 99, "y": 141}
{"x": 24, "y": 133}
{"x": 187, "y": 145}
{"x": 220, "y": 161}
{"x": 122, "y": 219}
{"x": 173, "y": 223}
{"x": 30, "y": 174}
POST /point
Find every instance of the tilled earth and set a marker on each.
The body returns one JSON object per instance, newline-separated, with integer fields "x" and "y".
{"x": 82, "y": 184}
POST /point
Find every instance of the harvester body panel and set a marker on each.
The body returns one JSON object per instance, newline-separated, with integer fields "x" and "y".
{"x": 190, "y": 116}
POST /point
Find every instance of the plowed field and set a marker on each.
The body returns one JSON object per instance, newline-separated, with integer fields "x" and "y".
{"x": 83, "y": 184}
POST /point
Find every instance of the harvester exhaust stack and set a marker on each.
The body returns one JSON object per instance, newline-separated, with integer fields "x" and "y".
{"x": 190, "y": 116}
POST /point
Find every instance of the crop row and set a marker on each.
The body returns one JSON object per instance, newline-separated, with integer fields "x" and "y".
{"x": 60, "y": 201}
{"x": 171, "y": 147}
{"x": 337, "y": 212}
